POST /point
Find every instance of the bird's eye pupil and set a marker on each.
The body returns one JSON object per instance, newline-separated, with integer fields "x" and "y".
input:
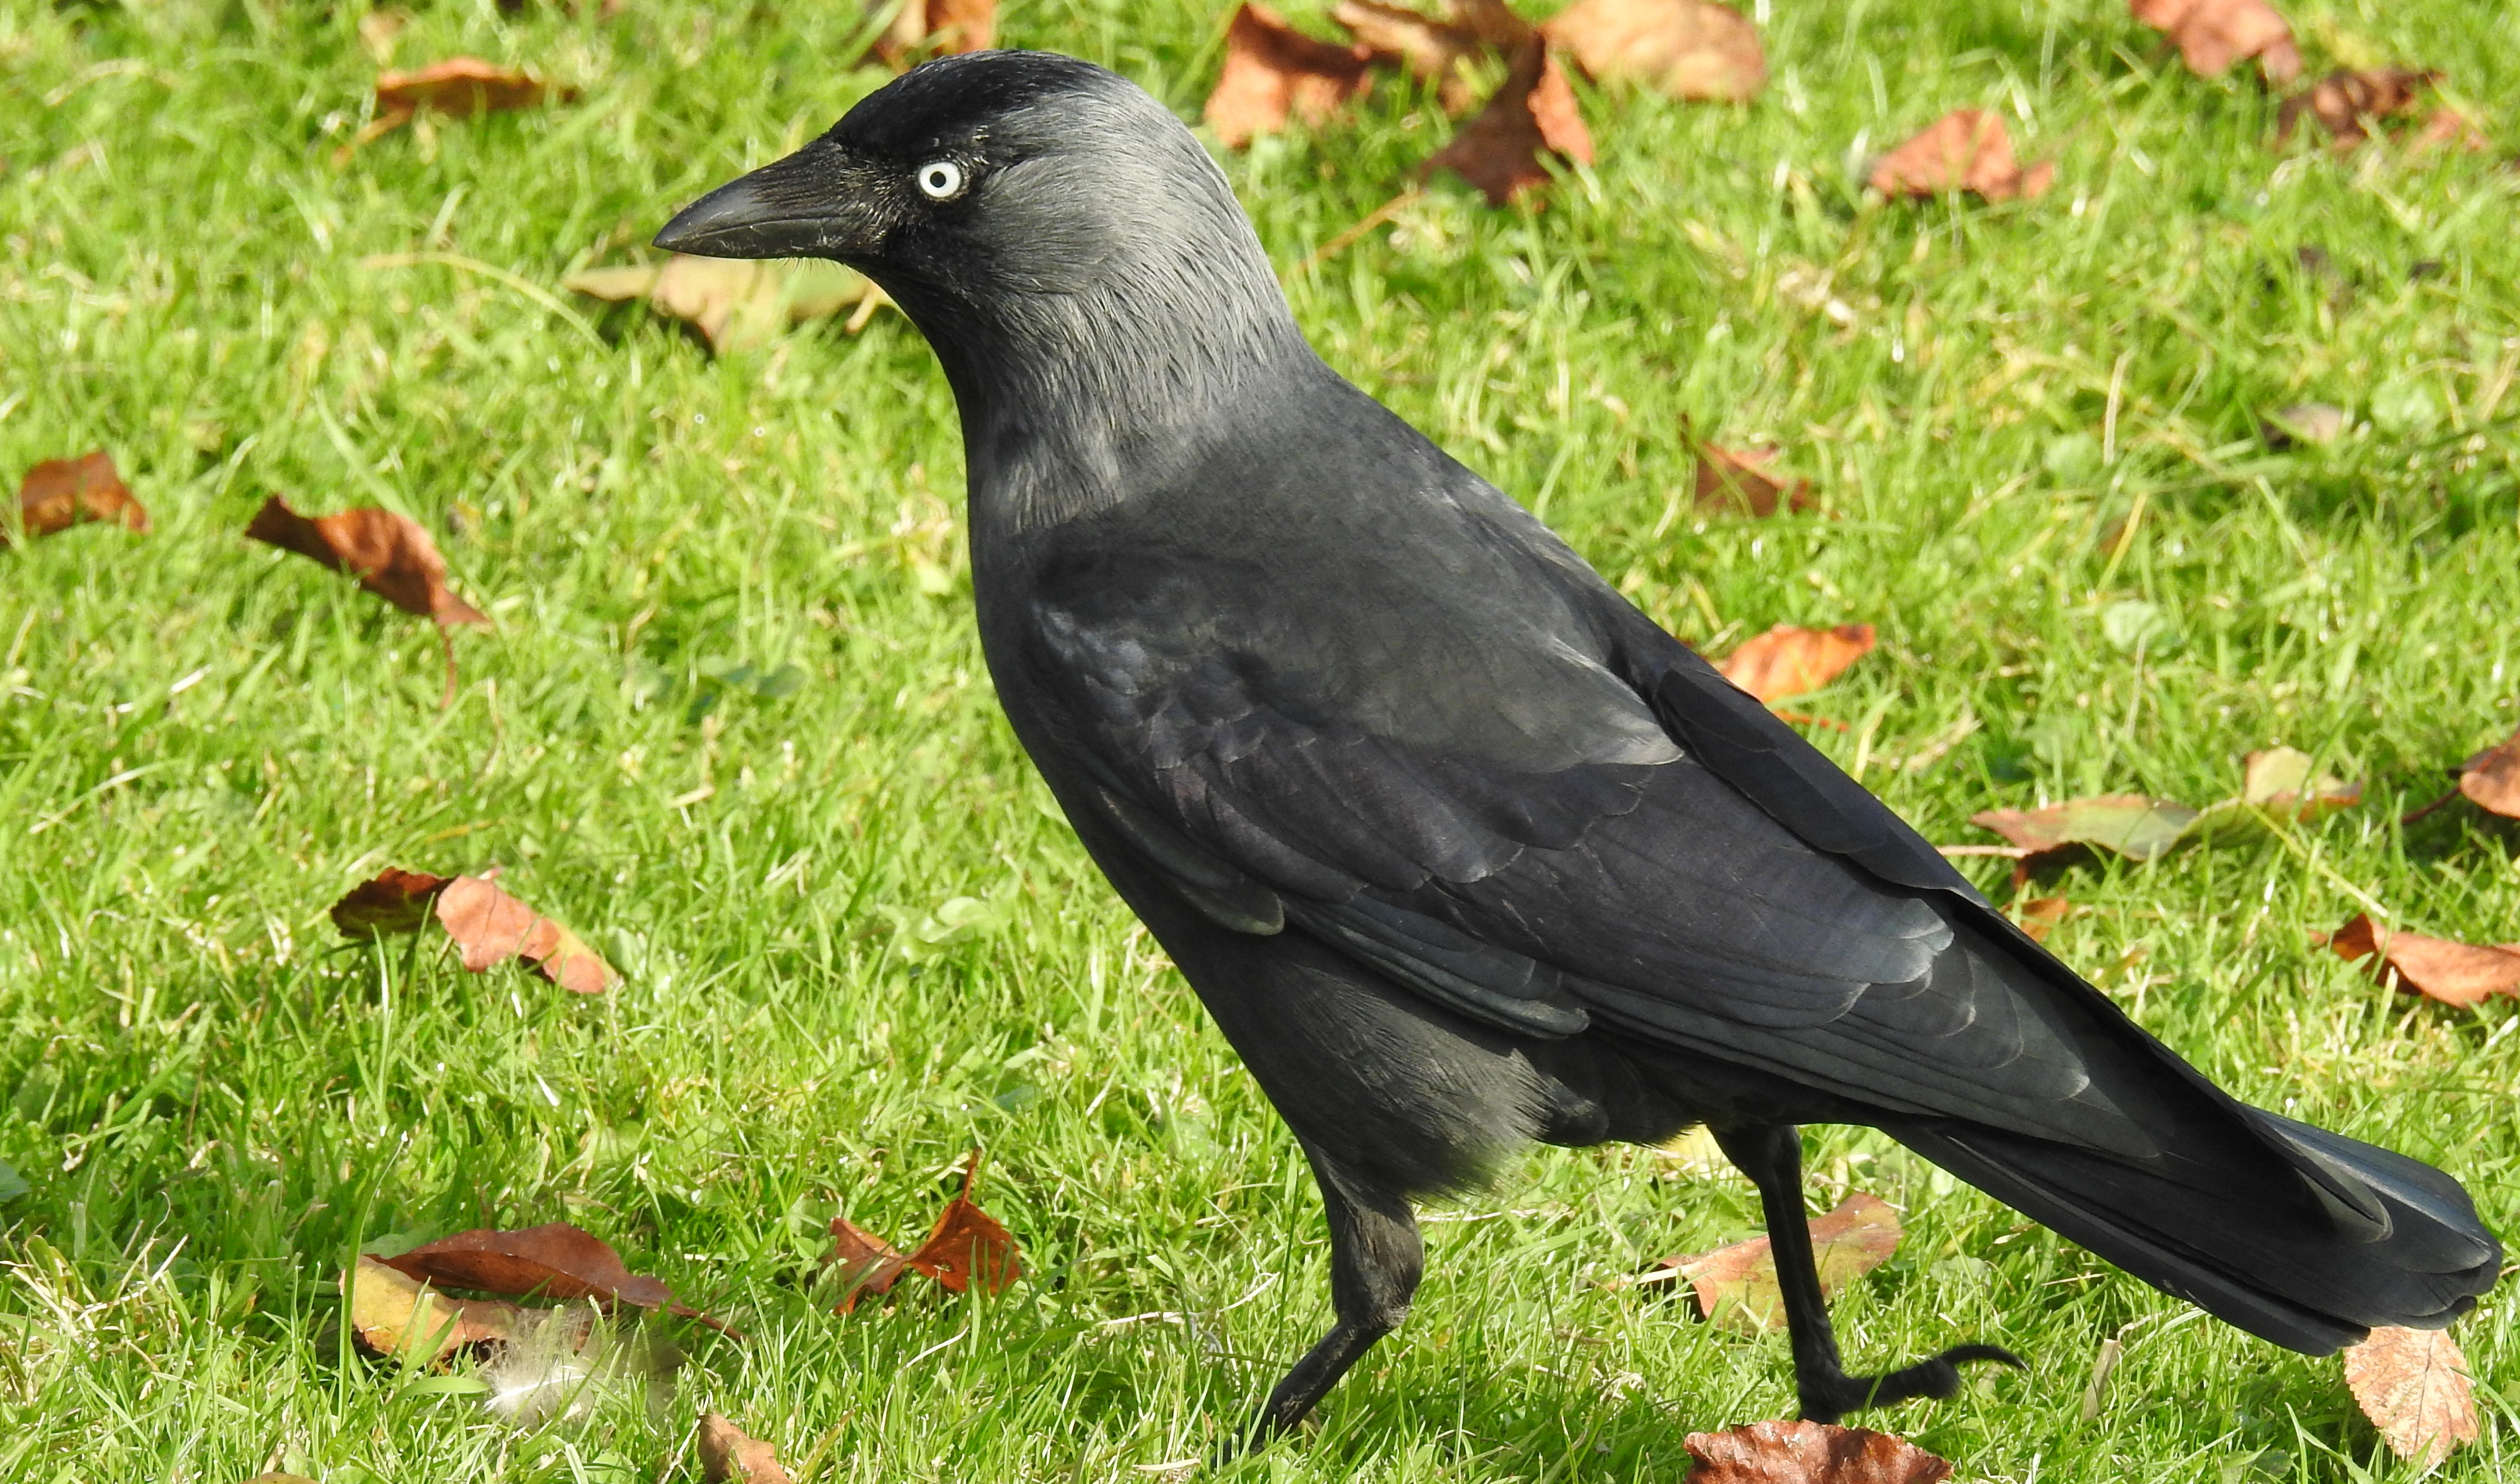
{"x": 942, "y": 179}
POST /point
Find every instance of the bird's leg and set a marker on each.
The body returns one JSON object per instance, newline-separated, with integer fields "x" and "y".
{"x": 1375, "y": 1259}
{"x": 1772, "y": 1155}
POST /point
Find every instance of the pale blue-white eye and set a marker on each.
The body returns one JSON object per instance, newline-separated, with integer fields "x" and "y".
{"x": 940, "y": 180}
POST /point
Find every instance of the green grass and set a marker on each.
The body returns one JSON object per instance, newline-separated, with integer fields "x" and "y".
{"x": 2016, "y": 417}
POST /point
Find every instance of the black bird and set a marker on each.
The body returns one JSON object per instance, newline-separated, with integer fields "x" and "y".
{"x": 1459, "y": 847}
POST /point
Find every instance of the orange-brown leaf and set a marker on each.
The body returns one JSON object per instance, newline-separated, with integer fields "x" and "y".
{"x": 1274, "y": 71}
{"x": 2455, "y": 973}
{"x": 937, "y": 27}
{"x": 1735, "y": 482}
{"x": 395, "y": 1314}
{"x": 1787, "y": 661}
{"x": 390, "y": 556}
{"x": 1967, "y": 150}
{"x": 490, "y": 926}
{"x": 2039, "y": 915}
{"x": 1686, "y": 48}
{"x": 1809, "y": 1453}
{"x": 2414, "y": 1386}
{"x": 2349, "y": 105}
{"x": 2136, "y": 827}
{"x": 728, "y": 1454}
{"x": 2492, "y": 778}
{"x": 1736, "y": 1286}
{"x": 967, "y": 1248}
{"x": 460, "y": 87}
{"x": 554, "y": 1260}
{"x": 1426, "y": 46}
{"x": 391, "y": 902}
{"x": 2447, "y": 128}
{"x": 2212, "y": 34}
{"x": 59, "y": 493}
{"x": 1531, "y": 116}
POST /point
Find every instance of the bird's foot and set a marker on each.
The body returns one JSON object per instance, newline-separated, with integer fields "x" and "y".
{"x": 1826, "y": 1399}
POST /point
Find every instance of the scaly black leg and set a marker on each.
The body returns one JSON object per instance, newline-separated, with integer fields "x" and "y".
{"x": 1772, "y": 1157}
{"x": 1375, "y": 1260}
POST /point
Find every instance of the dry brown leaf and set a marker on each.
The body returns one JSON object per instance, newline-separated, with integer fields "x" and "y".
{"x": 390, "y": 556}
{"x": 59, "y": 493}
{"x": 2456, "y": 973}
{"x": 459, "y": 87}
{"x": 728, "y": 1454}
{"x": 1788, "y": 660}
{"x": 1736, "y": 1286}
{"x": 2039, "y": 915}
{"x": 2212, "y": 34}
{"x": 1809, "y": 1453}
{"x": 2447, "y": 128}
{"x": 1967, "y": 150}
{"x": 397, "y": 1314}
{"x": 554, "y": 1260}
{"x": 1735, "y": 482}
{"x": 390, "y": 902}
{"x": 1424, "y": 46}
{"x": 1274, "y": 71}
{"x": 2414, "y": 1386}
{"x": 487, "y": 925}
{"x": 1686, "y": 48}
{"x": 490, "y": 926}
{"x": 934, "y": 28}
{"x": 2349, "y": 105}
{"x": 2136, "y": 827}
{"x": 736, "y": 304}
{"x": 1532, "y": 114}
{"x": 967, "y": 1248}
{"x": 2490, "y": 779}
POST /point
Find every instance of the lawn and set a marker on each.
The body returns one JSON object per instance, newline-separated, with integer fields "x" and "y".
{"x": 2032, "y": 429}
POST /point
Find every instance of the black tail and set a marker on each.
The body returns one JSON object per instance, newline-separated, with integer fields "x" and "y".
{"x": 2296, "y": 1235}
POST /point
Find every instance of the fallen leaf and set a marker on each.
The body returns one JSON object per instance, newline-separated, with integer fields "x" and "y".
{"x": 390, "y": 556}
{"x": 487, "y": 925}
{"x": 2137, "y": 828}
{"x": 2414, "y": 1386}
{"x": 1787, "y": 661}
{"x": 2349, "y": 103}
{"x": 1967, "y": 150}
{"x": 1273, "y": 70}
{"x": 1734, "y": 483}
{"x": 936, "y": 27}
{"x": 490, "y": 926}
{"x": 1532, "y": 114}
{"x": 1809, "y": 1453}
{"x": 459, "y": 87}
{"x": 736, "y": 304}
{"x": 2212, "y": 34}
{"x": 2280, "y": 781}
{"x": 554, "y": 1260}
{"x": 728, "y": 1454}
{"x": 1686, "y": 48}
{"x": 2490, "y": 779}
{"x": 2462, "y": 974}
{"x": 2039, "y": 915}
{"x": 395, "y": 1314}
{"x": 2447, "y": 128}
{"x": 59, "y": 493}
{"x": 1735, "y": 1286}
{"x": 391, "y": 902}
{"x": 1427, "y": 47}
{"x": 967, "y": 1248}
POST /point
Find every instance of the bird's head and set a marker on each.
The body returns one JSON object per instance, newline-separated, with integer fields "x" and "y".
{"x": 979, "y": 188}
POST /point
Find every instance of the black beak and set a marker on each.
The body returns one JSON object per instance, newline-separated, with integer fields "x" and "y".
{"x": 814, "y": 203}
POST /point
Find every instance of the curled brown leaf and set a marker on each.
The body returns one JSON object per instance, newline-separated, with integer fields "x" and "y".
{"x": 59, "y": 493}
{"x": 1788, "y": 660}
{"x": 934, "y": 28}
{"x": 1530, "y": 118}
{"x": 967, "y": 1248}
{"x": 1735, "y": 1286}
{"x": 1809, "y": 1453}
{"x": 1274, "y": 71}
{"x": 1735, "y": 482}
{"x": 728, "y": 1454}
{"x": 2212, "y": 34}
{"x": 2351, "y": 105}
{"x": 2463, "y": 974}
{"x": 390, "y": 556}
{"x": 395, "y": 1314}
{"x": 1693, "y": 49}
{"x": 1967, "y": 150}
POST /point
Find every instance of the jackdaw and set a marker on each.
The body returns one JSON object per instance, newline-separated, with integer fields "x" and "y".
{"x": 1459, "y": 847}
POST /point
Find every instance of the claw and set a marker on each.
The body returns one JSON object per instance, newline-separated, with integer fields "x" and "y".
{"x": 1938, "y": 1376}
